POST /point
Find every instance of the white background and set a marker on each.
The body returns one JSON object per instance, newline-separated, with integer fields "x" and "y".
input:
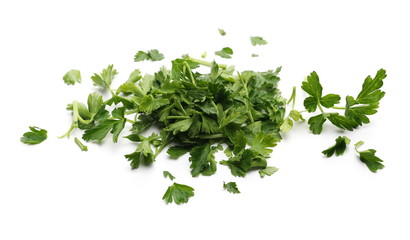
{"x": 55, "y": 191}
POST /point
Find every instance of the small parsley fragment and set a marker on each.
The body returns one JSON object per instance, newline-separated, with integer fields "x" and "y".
{"x": 80, "y": 145}
{"x": 226, "y": 52}
{"x": 258, "y": 41}
{"x": 71, "y": 77}
{"x": 35, "y": 136}
{"x": 369, "y": 158}
{"x": 168, "y": 175}
{"x": 222, "y": 32}
{"x": 254, "y": 55}
{"x": 231, "y": 187}
{"x": 153, "y": 55}
{"x": 178, "y": 193}
{"x": 338, "y": 148}
{"x": 104, "y": 79}
{"x": 267, "y": 171}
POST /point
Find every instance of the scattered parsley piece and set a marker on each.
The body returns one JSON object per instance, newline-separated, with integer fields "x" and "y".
{"x": 369, "y": 158}
{"x": 226, "y": 52}
{"x": 222, "y": 32}
{"x": 258, "y": 41}
{"x": 231, "y": 187}
{"x": 178, "y": 193}
{"x": 254, "y": 55}
{"x": 104, "y": 79}
{"x": 203, "y": 160}
{"x": 338, "y": 148}
{"x": 367, "y": 101}
{"x": 72, "y": 76}
{"x": 153, "y": 55}
{"x": 203, "y": 55}
{"x": 35, "y": 136}
{"x": 80, "y": 145}
{"x": 168, "y": 175}
{"x": 267, "y": 171}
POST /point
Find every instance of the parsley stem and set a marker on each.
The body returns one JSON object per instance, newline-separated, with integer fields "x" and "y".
{"x": 336, "y": 107}
{"x": 205, "y": 63}
{"x": 190, "y": 73}
{"x": 178, "y": 117}
{"x": 211, "y": 136}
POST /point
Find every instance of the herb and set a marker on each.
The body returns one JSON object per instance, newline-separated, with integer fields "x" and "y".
{"x": 168, "y": 175}
{"x": 356, "y": 110}
{"x": 226, "y": 52}
{"x": 231, "y": 187}
{"x": 258, "y": 41}
{"x": 203, "y": 55}
{"x": 254, "y": 55}
{"x": 222, "y": 32}
{"x": 153, "y": 55}
{"x": 268, "y": 171}
{"x": 80, "y": 145}
{"x": 338, "y": 148}
{"x": 72, "y": 76}
{"x": 35, "y": 136}
{"x": 178, "y": 193}
{"x": 369, "y": 158}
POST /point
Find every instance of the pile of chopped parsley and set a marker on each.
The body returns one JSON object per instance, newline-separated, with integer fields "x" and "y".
{"x": 203, "y": 112}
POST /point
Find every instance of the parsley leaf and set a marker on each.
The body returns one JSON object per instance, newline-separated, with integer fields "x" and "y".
{"x": 177, "y": 151}
{"x": 231, "y": 187}
{"x": 369, "y": 158}
{"x": 203, "y": 160}
{"x": 72, "y": 76}
{"x": 338, "y": 148}
{"x": 35, "y": 136}
{"x": 267, "y": 171}
{"x": 226, "y": 52}
{"x": 104, "y": 79}
{"x": 222, "y": 32}
{"x": 316, "y": 123}
{"x": 168, "y": 175}
{"x": 258, "y": 41}
{"x": 153, "y": 55}
{"x": 367, "y": 101}
{"x": 178, "y": 193}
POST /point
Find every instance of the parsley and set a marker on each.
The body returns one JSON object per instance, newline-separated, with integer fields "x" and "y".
{"x": 222, "y": 32}
{"x": 72, "y": 76}
{"x": 231, "y": 187}
{"x": 268, "y": 171}
{"x": 356, "y": 110}
{"x": 80, "y": 145}
{"x": 226, "y": 52}
{"x": 178, "y": 193}
{"x": 258, "y": 41}
{"x": 35, "y": 136}
{"x": 153, "y": 55}
{"x": 168, "y": 175}
{"x": 369, "y": 158}
{"x": 338, "y": 148}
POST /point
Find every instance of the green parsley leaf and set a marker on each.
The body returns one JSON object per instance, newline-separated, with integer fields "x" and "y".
{"x": 80, "y": 145}
{"x": 231, "y": 187}
{"x": 258, "y": 41}
{"x": 222, "y": 32}
{"x": 178, "y": 193}
{"x": 367, "y": 101}
{"x": 226, "y": 52}
{"x": 72, "y": 76}
{"x": 286, "y": 125}
{"x": 240, "y": 164}
{"x": 35, "y": 136}
{"x": 369, "y": 158}
{"x": 316, "y": 123}
{"x": 202, "y": 160}
{"x": 267, "y": 171}
{"x": 263, "y": 142}
{"x": 153, "y": 55}
{"x": 180, "y": 126}
{"x": 338, "y": 148}
{"x": 143, "y": 154}
{"x": 177, "y": 151}
{"x": 341, "y": 121}
{"x": 104, "y": 79}
{"x": 254, "y": 55}
{"x": 168, "y": 175}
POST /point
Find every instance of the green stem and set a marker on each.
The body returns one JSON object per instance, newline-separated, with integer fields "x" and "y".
{"x": 205, "y": 63}
{"x": 191, "y": 76}
{"x": 211, "y": 136}
{"x": 336, "y": 107}
{"x": 178, "y": 117}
